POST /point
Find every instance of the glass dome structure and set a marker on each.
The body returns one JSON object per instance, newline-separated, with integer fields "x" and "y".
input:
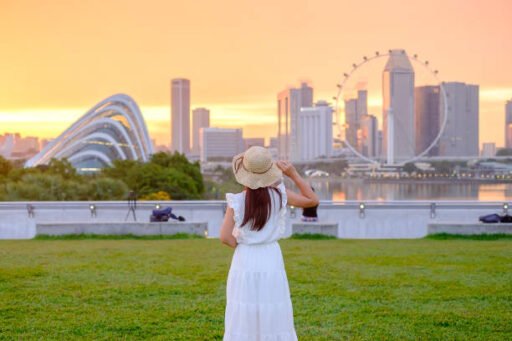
{"x": 113, "y": 129}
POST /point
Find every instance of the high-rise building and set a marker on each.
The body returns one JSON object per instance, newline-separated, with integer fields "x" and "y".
{"x": 488, "y": 149}
{"x": 428, "y": 118}
{"x": 398, "y": 107}
{"x": 315, "y": 127}
{"x": 254, "y": 141}
{"x": 289, "y": 103}
{"x": 273, "y": 143}
{"x": 180, "y": 115}
{"x": 508, "y": 124}
{"x": 351, "y": 122}
{"x": 220, "y": 144}
{"x": 380, "y": 137}
{"x": 362, "y": 103}
{"x": 460, "y": 135}
{"x": 200, "y": 119}
{"x": 355, "y": 109}
{"x": 367, "y": 136}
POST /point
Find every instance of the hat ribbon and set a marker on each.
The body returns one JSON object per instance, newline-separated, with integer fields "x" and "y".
{"x": 240, "y": 162}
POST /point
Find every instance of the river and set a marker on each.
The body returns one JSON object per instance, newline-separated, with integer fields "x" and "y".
{"x": 340, "y": 190}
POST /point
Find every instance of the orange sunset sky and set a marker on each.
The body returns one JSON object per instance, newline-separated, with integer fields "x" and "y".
{"x": 59, "y": 58}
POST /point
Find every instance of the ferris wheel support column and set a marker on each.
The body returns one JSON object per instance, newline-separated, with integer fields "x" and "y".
{"x": 390, "y": 140}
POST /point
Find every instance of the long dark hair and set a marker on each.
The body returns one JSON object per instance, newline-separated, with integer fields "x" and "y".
{"x": 258, "y": 206}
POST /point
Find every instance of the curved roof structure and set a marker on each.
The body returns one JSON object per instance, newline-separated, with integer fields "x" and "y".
{"x": 113, "y": 129}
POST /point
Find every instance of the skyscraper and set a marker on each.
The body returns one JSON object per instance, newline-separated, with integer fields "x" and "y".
{"x": 428, "y": 118}
{"x": 398, "y": 107}
{"x": 355, "y": 109}
{"x": 362, "y": 103}
{"x": 368, "y": 138}
{"x": 289, "y": 103}
{"x": 315, "y": 126}
{"x": 351, "y": 121}
{"x": 508, "y": 124}
{"x": 180, "y": 115}
{"x": 460, "y": 135}
{"x": 200, "y": 119}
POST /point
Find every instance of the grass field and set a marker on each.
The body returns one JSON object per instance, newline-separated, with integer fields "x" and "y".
{"x": 175, "y": 289}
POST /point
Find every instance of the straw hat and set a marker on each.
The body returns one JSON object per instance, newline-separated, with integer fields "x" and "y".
{"x": 255, "y": 168}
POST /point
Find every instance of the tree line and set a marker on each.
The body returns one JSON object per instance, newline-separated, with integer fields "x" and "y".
{"x": 166, "y": 176}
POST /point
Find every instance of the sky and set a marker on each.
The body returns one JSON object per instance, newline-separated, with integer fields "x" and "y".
{"x": 60, "y": 58}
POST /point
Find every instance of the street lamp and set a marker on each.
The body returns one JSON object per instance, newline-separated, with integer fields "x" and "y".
{"x": 92, "y": 208}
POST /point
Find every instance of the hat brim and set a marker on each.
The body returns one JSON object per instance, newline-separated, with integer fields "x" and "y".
{"x": 254, "y": 181}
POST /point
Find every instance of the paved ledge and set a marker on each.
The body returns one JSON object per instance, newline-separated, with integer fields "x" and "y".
{"x": 110, "y": 228}
{"x": 325, "y": 228}
{"x": 469, "y": 228}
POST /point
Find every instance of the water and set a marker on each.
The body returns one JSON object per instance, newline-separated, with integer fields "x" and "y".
{"x": 340, "y": 190}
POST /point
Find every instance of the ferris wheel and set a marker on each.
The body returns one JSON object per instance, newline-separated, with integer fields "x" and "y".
{"x": 394, "y": 126}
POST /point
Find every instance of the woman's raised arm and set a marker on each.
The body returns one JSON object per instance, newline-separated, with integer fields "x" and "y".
{"x": 306, "y": 197}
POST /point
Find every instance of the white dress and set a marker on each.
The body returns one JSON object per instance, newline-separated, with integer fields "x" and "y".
{"x": 258, "y": 297}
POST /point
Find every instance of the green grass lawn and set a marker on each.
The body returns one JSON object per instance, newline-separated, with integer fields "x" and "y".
{"x": 175, "y": 289}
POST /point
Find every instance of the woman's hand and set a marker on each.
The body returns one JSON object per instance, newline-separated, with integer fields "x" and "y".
{"x": 306, "y": 198}
{"x": 287, "y": 168}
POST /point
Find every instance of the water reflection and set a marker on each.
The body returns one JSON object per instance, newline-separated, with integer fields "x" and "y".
{"x": 358, "y": 190}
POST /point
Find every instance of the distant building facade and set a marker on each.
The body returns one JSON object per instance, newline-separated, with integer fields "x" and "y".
{"x": 380, "y": 136}
{"x": 289, "y": 103}
{"x": 488, "y": 149}
{"x": 200, "y": 119}
{"x": 315, "y": 132}
{"x": 254, "y": 141}
{"x": 220, "y": 144}
{"x": 180, "y": 115}
{"x": 508, "y": 124}
{"x": 355, "y": 109}
{"x": 14, "y": 146}
{"x": 427, "y": 111}
{"x": 368, "y": 136}
{"x": 273, "y": 143}
{"x": 460, "y": 135}
{"x": 398, "y": 104}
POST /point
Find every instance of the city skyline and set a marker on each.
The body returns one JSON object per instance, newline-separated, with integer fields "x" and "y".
{"x": 255, "y": 53}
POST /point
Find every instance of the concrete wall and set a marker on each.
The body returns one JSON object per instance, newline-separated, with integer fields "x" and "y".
{"x": 470, "y": 229}
{"x": 123, "y": 228}
{"x": 327, "y": 229}
{"x": 394, "y": 219}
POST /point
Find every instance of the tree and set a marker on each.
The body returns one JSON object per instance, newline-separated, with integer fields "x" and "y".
{"x": 104, "y": 189}
{"x": 157, "y": 196}
{"x": 504, "y": 152}
{"x": 63, "y": 168}
{"x": 180, "y": 162}
{"x": 410, "y": 168}
{"x": 5, "y": 166}
{"x": 170, "y": 173}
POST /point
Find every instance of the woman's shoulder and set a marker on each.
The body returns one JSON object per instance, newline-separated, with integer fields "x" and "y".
{"x": 280, "y": 186}
{"x": 233, "y": 199}
{"x": 239, "y": 194}
{"x": 282, "y": 190}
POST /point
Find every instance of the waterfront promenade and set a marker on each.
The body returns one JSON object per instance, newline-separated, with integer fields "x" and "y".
{"x": 371, "y": 219}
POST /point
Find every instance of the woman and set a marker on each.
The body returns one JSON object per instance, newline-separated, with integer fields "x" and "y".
{"x": 258, "y": 297}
